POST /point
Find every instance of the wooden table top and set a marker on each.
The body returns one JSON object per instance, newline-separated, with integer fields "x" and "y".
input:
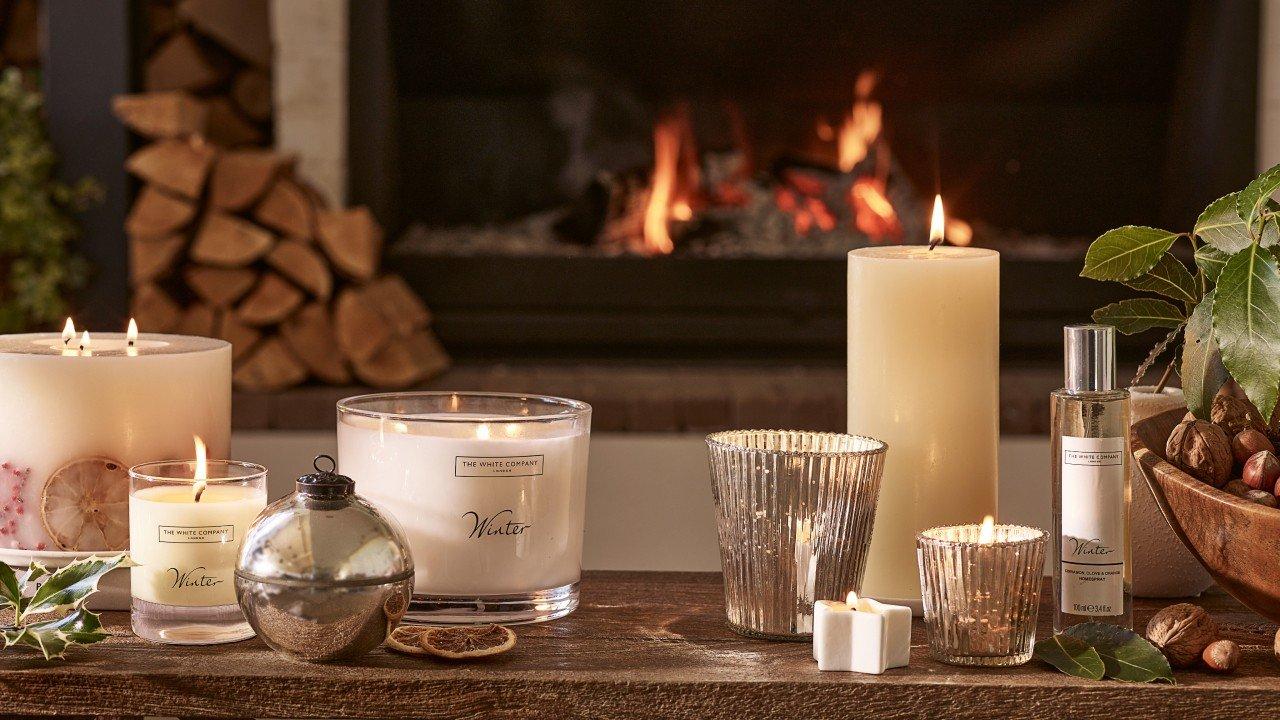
{"x": 642, "y": 645}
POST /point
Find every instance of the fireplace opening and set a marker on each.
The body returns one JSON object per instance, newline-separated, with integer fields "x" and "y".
{"x": 683, "y": 179}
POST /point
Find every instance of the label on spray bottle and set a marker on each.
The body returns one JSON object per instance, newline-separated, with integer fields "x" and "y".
{"x": 1092, "y": 543}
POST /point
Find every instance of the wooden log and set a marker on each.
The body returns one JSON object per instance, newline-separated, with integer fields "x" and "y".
{"x": 177, "y": 165}
{"x": 271, "y": 301}
{"x": 158, "y": 115}
{"x": 287, "y": 208}
{"x": 243, "y": 27}
{"x": 242, "y": 337}
{"x": 227, "y": 128}
{"x": 156, "y": 214}
{"x": 251, "y": 92}
{"x": 181, "y": 64}
{"x": 228, "y": 241}
{"x": 352, "y": 239}
{"x": 22, "y": 35}
{"x": 403, "y": 362}
{"x": 161, "y": 21}
{"x": 198, "y": 319}
{"x": 402, "y": 309}
{"x": 269, "y": 368}
{"x": 360, "y": 330}
{"x": 220, "y": 287}
{"x": 303, "y": 264}
{"x": 309, "y": 333}
{"x": 154, "y": 309}
{"x": 240, "y": 177}
{"x": 150, "y": 260}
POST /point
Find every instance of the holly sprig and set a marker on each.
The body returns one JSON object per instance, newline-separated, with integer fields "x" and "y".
{"x": 37, "y": 593}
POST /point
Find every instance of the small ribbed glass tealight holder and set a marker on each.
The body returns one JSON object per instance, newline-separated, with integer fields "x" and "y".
{"x": 981, "y": 592}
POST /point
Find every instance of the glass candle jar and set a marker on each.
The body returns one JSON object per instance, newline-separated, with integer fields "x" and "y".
{"x": 490, "y": 489}
{"x": 981, "y": 592}
{"x": 187, "y": 519}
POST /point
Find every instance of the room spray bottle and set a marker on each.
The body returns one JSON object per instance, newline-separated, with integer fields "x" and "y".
{"x": 1090, "y": 419}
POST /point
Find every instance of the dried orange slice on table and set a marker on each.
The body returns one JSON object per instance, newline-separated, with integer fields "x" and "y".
{"x": 85, "y": 505}
{"x": 405, "y": 639}
{"x": 461, "y": 643}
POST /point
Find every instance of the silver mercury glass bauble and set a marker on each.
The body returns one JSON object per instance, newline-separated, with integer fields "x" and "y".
{"x": 322, "y": 574}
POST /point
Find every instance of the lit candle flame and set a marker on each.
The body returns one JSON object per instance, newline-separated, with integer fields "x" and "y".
{"x": 201, "y": 471}
{"x": 68, "y": 332}
{"x": 131, "y": 335}
{"x": 482, "y": 431}
{"x": 85, "y": 346}
{"x": 851, "y": 599}
{"x": 938, "y": 225}
{"x": 987, "y": 534}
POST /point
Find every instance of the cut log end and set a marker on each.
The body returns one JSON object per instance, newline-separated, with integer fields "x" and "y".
{"x": 302, "y": 264}
{"x": 403, "y": 362}
{"x": 287, "y": 209}
{"x": 228, "y": 241}
{"x": 156, "y": 214}
{"x": 352, "y": 239}
{"x": 270, "y": 367}
{"x": 270, "y": 302}
{"x": 309, "y": 333}
{"x": 160, "y": 115}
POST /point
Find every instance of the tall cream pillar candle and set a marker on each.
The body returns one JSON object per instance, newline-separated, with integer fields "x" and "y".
{"x": 924, "y": 376}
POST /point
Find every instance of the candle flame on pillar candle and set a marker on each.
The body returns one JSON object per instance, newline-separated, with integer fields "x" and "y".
{"x": 938, "y": 224}
{"x": 68, "y": 332}
{"x": 987, "y": 534}
{"x": 851, "y": 599}
{"x": 85, "y": 347}
{"x": 201, "y": 471}
{"x": 131, "y": 339}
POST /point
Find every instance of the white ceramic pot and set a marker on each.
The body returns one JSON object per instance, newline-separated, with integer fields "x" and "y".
{"x": 1162, "y": 566}
{"x": 113, "y": 589}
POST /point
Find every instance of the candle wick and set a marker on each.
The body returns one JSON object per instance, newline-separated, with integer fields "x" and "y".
{"x": 199, "y": 489}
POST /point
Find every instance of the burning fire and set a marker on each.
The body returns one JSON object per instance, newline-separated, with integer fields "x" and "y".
{"x": 861, "y": 127}
{"x": 676, "y": 177}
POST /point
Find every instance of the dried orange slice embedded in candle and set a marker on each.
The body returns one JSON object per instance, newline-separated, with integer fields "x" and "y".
{"x": 460, "y": 643}
{"x": 86, "y": 505}
{"x": 406, "y": 639}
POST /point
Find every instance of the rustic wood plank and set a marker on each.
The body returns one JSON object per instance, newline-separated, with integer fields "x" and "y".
{"x": 642, "y": 645}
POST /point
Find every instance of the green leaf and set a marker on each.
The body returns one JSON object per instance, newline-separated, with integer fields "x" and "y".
{"x": 1070, "y": 655}
{"x": 68, "y": 586}
{"x": 1135, "y": 316}
{"x": 1170, "y": 278}
{"x": 53, "y": 637}
{"x": 1125, "y": 654}
{"x": 1126, "y": 252}
{"x": 1202, "y": 371}
{"x": 1252, "y": 201}
{"x": 1210, "y": 259}
{"x": 1221, "y": 227}
{"x": 10, "y": 588}
{"x": 1246, "y": 321}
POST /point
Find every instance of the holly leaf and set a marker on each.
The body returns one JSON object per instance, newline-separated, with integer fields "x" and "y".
{"x": 1125, "y": 253}
{"x": 1170, "y": 278}
{"x": 69, "y": 586}
{"x": 1125, "y": 654}
{"x": 1252, "y": 201}
{"x": 1202, "y": 371}
{"x": 1135, "y": 316}
{"x": 1210, "y": 259}
{"x": 10, "y": 588}
{"x": 53, "y": 637}
{"x": 1246, "y": 321}
{"x": 1071, "y": 655}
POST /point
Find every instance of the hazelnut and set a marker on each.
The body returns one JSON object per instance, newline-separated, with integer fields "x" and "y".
{"x": 1221, "y": 656}
{"x": 1203, "y": 450}
{"x": 1249, "y": 442}
{"x": 1234, "y": 414}
{"x": 1182, "y": 632}
{"x": 1262, "y": 497}
{"x": 1261, "y": 471}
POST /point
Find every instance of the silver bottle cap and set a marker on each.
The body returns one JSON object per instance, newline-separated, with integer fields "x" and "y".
{"x": 1089, "y": 358}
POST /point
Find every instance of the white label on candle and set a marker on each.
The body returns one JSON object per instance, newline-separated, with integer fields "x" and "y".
{"x": 200, "y": 534}
{"x": 510, "y": 466}
{"x": 1091, "y": 548}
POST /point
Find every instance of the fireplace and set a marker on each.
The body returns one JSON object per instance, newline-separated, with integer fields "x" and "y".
{"x": 683, "y": 180}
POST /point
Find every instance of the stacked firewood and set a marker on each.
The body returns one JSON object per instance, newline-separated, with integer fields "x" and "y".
{"x": 19, "y": 33}
{"x": 232, "y": 243}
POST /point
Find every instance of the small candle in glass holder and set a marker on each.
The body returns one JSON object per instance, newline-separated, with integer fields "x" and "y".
{"x": 981, "y": 592}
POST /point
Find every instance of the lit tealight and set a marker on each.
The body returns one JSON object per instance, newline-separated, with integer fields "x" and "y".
{"x": 987, "y": 533}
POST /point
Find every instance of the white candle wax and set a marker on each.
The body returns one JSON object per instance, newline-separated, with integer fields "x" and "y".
{"x": 186, "y": 550}
{"x": 128, "y": 405}
{"x": 861, "y": 635}
{"x": 488, "y": 507}
{"x": 924, "y": 376}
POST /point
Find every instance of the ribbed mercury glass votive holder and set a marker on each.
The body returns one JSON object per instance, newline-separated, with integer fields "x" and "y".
{"x": 981, "y": 594}
{"x": 794, "y": 511}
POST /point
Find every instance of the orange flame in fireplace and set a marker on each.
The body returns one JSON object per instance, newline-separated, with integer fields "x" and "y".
{"x": 676, "y": 177}
{"x": 861, "y": 127}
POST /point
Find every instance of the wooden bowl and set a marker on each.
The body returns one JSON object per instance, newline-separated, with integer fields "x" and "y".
{"x": 1236, "y": 540}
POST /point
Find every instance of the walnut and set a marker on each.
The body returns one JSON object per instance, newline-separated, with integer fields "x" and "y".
{"x": 1182, "y": 632}
{"x": 1234, "y": 414}
{"x": 1202, "y": 449}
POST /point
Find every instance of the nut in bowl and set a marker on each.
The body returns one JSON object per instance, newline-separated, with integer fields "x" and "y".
{"x": 1235, "y": 537}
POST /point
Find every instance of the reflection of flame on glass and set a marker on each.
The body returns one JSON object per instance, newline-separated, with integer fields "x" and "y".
{"x": 482, "y": 431}
{"x": 959, "y": 232}
{"x": 987, "y": 533}
{"x": 201, "y": 474}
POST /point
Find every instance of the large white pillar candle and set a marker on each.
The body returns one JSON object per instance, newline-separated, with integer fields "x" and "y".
{"x": 85, "y": 417}
{"x": 924, "y": 376}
